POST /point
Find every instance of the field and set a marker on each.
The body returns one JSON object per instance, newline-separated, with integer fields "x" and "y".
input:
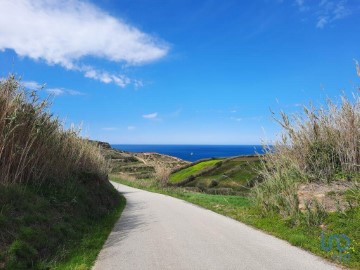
{"x": 192, "y": 170}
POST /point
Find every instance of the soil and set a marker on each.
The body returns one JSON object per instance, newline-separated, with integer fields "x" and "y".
{"x": 330, "y": 196}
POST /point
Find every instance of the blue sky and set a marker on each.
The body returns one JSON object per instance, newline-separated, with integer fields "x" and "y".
{"x": 181, "y": 71}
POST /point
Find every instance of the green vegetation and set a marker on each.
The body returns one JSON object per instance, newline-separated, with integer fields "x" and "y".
{"x": 228, "y": 176}
{"x": 55, "y": 197}
{"x": 59, "y": 228}
{"x": 192, "y": 170}
{"x": 83, "y": 254}
{"x": 234, "y": 174}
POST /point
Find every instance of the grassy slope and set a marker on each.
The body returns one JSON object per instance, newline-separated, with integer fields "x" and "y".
{"x": 231, "y": 177}
{"x": 60, "y": 227}
{"x": 183, "y": 174}
{"x": 234, "y": 173}
{"x": 242, "y": 209}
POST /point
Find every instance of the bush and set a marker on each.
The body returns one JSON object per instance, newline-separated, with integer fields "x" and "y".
{"x": 213, "y": 183}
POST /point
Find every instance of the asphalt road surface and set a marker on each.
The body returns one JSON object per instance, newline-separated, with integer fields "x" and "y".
{"x": 158, "y": 232}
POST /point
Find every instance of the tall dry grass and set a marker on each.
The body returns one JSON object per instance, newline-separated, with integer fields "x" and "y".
{"x": 162, "y": 174}
{"x": 316, "y": 145}
{"x": 34, "y": 146}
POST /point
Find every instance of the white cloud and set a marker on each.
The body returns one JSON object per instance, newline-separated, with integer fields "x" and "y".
{"x": 150, "y": 116}
{"x": 55, "y": 91}
{"x": 63, "y": 91}
{"x": 322, "y": 21}
{"x": 105, "y": 77}
{"x": 65, "y": 32}
{"x": 32, "y": 85}
{"x": 138, "y": 84}
{"x": 325, "y": 11}
{"x": 341, "y": 10}
{"x": 331, "y": 11}
{"x": 131, "y": 127}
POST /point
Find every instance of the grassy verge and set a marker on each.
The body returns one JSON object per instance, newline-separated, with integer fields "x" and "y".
{"x": 82, "y": 256}
{"x": 60, "y": 227}
{"x": 244, "y": 210}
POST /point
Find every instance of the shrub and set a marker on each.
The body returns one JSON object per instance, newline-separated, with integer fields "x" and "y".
{"x": 213, "y": 183}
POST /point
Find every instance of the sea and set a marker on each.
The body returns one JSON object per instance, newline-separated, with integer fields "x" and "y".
{"x": 194, "y": 152}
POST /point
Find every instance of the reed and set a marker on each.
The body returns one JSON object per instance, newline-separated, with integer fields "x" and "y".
{"x": 317, "y": 144}
{"x": 35, "y": 148}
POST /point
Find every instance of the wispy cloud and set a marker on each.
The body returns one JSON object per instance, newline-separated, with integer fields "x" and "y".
{"x": 106, "y": 77}
{"x": 301, "y": 5}
{"x": 150, "y": 115}
{"x": 330, "y": 11}
{"x": 32, "y": 85}
{"x": 63, "y": 91}
{"x": 131, "y": 127}
{"x": 325, "y": 12}
{"x": 57, "y": 91}
{"x": 65, "y": 32}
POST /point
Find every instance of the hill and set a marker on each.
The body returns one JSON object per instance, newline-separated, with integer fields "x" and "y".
{"x": 219, "y": 176}
{"x": 138, "y": 165}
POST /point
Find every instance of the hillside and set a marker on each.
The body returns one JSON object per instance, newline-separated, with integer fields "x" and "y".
{"x": 219, "y": 176}
{"x": 138, "y": 165}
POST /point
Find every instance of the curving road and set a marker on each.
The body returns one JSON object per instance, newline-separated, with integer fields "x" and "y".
{"x": 158, "y": 232}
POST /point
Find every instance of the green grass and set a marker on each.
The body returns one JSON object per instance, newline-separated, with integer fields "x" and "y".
{"x": 185, "y": 173}
{"x": 57, "y": 227}
{"x": 233, "y": 174}
{"x": 242, "y": 209}
{"x": 221, "y": 176}
{"x": 83, "y": 255}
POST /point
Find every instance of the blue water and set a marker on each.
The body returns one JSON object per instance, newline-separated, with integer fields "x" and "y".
{"x": 194, "y": 152}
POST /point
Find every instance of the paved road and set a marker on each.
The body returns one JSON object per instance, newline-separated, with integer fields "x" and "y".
{"x": 159, "y": 232}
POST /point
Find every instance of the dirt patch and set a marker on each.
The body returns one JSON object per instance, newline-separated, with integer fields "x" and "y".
{"x": 330, "y": 196}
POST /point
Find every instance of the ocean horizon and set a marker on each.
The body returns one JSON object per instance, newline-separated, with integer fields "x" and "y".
{"x": 193, "y": 152}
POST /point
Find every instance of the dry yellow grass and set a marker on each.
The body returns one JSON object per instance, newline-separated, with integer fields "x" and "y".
{"x": 34, "y": 146}
{"x": 322, "y": 144}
